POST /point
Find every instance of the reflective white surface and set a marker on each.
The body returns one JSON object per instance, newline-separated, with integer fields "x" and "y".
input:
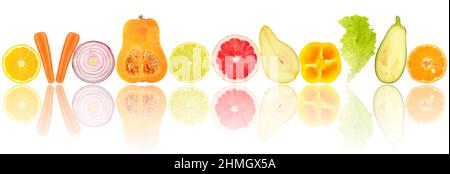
{"x": 365, "y": 123}
{"x": 369, "y": 117}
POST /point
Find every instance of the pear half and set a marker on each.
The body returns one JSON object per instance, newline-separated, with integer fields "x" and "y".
{"x": 280, "y": 62}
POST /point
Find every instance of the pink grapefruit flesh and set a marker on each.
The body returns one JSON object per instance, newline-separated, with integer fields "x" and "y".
{"x": 236, "y": 58}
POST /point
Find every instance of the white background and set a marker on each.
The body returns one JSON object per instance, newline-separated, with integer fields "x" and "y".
{"x": 295, "y": 22}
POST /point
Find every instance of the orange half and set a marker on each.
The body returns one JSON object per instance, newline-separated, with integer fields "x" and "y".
{"x": 21, "y": 63}
{"x": 426, "y": 63}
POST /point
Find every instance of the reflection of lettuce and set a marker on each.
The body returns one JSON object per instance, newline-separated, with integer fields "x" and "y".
{"x": 356, "y": 121}
{"x": 358, "y": 43}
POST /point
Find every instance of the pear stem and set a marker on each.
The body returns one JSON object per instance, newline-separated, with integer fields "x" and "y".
{"x": 397, "y": 19}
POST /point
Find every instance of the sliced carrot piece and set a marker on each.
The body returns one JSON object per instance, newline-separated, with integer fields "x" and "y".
{"x": 69, "y": 47}
{"x": 44, "y": 50}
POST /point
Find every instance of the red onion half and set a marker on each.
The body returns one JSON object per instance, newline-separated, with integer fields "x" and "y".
{"x": 93, "y": 105}
{"x": 93, "y": 61}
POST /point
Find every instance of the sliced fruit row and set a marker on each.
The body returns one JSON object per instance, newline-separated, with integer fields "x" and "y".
{"x": 92, "y": 61}
{"x": 426, "y": 63}
{"x": 235, "y": 59}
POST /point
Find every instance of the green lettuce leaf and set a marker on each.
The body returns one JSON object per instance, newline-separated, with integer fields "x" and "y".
{"x": 358, "y": 43}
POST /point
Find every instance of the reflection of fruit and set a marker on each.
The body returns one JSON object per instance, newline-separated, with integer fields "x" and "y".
{"x": 389, "y": 112}
{"x": 69, "y": 117}
{"x": 141, "y": 110}
{"x": 189, "y": 62}
{"x": 320, "y": 62}
{"x": 425, "y": 104}
{"x": 280, "y": 62}
{"x": 355, "y": 122}
{"x": 46, "y": 114}
{"x": 141, "y": 57}
{"x": 235, "y": 58}
{"x": 234, "y": 107}
{"x": 277, "y": 107}
{"x": 427, "y": 63}
{"x": 319, "y": 105}
{"x": 22, "y": 104}
{"x": 189, "y": 105}
{"x": 93, "y": 105}
{"x": 390, "y": 59}
{"x": 21, "y": 63}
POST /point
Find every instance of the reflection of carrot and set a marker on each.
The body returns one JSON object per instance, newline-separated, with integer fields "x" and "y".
{"x": 71, "y": 123}
{"x": 46, "y": 57}
{"x": 69, "y": 47}
{"x": 46, "y": 115}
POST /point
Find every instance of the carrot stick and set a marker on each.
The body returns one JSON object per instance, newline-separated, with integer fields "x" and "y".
{"x": 69, "y": 118}
{"x": 46, "y": 57}
{"x": 46, "y": 115}
{"x": 69, "y": 47}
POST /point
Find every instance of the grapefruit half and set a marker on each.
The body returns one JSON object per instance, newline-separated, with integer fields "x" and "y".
{"x": 235, "y": 58}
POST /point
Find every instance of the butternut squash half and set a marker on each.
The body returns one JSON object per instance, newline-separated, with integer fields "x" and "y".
{"x": 141, "y": 58}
